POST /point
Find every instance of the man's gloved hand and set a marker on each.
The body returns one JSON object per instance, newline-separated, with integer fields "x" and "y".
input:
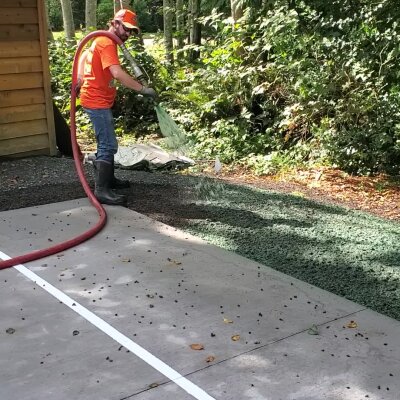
{"x": 148, "y": 91}
{"x": 77, "y": 87}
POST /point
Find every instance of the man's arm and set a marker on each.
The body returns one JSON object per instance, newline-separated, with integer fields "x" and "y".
{"x": 120, "y": 75}
{"x": 81, "y": 67}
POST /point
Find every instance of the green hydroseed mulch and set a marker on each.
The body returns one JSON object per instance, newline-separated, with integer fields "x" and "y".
{"x": 349, "y": 253}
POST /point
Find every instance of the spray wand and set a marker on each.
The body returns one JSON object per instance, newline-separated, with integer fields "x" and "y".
{"x": 135, "y": 67}
{"x": 169, "y": 129}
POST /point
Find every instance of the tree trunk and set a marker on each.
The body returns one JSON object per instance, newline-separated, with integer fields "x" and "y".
{"x": 68, "y": 20}
{"x": 189, "y": 21}
{"x": 180, "y": 24}
{"x": 195, "y": 29}
{"x": 168, "y": 22}
{"x": 236, "y": 9}
{"x": 266, "y": 4}
{"x": 90, "y": 15}
{"x": 118, "y": 4}
{"x": 50, "y": 36}
{"x": 237, "y": 13}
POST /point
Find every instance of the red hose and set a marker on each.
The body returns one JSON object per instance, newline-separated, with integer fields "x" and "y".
{"x": 34, "y": 255}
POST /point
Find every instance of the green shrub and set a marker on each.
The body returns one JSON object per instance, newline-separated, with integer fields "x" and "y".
{"x": 294, "y": 83}
{"x": 303, "y": 85}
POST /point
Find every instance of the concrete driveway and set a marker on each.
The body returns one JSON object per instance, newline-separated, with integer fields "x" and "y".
{"x": 144, "y": 311}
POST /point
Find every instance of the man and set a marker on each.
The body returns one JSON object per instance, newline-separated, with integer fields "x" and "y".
{"x": 98, "y": 69}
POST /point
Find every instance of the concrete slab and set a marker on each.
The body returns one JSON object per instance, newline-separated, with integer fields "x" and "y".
{"x": 339, "y": 363}
{"x": 166, "y": 290}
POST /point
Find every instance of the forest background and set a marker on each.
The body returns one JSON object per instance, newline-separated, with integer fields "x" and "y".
{"x": 265, "y": 84}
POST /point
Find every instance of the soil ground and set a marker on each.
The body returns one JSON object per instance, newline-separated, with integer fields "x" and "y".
{"x": 41, "y": 180}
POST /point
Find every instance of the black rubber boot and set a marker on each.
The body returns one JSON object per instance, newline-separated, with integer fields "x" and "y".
{"x": 118, "y": 183}
{"x": 115, "y": 182}
{"x": 103, "y": 177}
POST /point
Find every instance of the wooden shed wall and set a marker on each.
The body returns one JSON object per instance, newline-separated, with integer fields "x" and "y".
{"x": 26, "y": 111}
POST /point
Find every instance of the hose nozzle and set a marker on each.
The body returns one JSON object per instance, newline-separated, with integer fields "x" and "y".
{"x": 139, "y": 74}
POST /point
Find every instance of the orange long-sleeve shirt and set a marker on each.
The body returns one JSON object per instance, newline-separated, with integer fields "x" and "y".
{"x": 98, "y": 89}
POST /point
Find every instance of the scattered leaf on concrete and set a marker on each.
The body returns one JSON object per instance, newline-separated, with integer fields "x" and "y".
{"x": 352, "y": 324}
{"x": 173, "y": 262}
{"x": 126, "y": 260}
{"x": 228, "y": 321}
{"x": 313, "y": 330}
{"x": 210, "y": 359}
{"x": 10, "y": 331}
{"x": 235, "y": 338}
{"x": 153, "y": 385}
{"x": 197, "y": 346}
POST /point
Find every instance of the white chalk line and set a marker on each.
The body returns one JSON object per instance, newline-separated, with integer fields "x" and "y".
{"x": 129, "y": 344}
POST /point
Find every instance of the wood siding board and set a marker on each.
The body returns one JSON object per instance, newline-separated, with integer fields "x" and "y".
{"x": 46, "y": 77}
{"x": 26, "y": 107}
{"x": 22, "y": 129}
{"x": 22, "y": 113}
{"x": 21, "y": 15}
{"x": 24, "y": 145}
{"x": 26, "y": 80}
{"x": 19, "y": 65}
{"x": 26, "y": 154}
{"x": 12, "y": 98}
{"x": 20, "y": 32}
{"x": 23, "y": 48}
{"x": 17, "y": 3}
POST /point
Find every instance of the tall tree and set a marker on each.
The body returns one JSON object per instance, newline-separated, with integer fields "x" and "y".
{"x": 68, "y": 19}
{"x": 180, "y": 23}
{"x": 237, "y": 14}
{"x": 50, "y": 36}
{"x": 168, "y": 27}
{"x": 195, "y": 28}
{"x": 236, "y": 9}
{"x": 118, "y": 4}
{"x": 90, "y": 14}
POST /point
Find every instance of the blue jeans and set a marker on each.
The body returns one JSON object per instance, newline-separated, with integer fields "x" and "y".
{"x": 103, "y": 124}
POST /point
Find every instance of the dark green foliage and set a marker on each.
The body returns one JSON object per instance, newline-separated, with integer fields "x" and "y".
{"x": 61, "y": 56}
{"x": 301, "y": 82}
{"x": 149, "y": 13}
{"x": 298, "y": 82}
{"x": 306, "y": 83}
{"x": 55, "y": 14}
{"x": 105, "y": 11}
{"x": 78, "y": 7}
